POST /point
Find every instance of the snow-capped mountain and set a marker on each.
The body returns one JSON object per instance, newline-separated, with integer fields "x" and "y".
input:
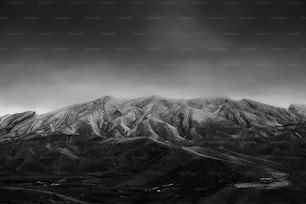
{"x": 156, "y": 117}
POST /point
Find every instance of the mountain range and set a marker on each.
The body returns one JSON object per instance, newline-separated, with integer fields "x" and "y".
{"x": 156, "y": 117}
{"x": 153, "y": 148}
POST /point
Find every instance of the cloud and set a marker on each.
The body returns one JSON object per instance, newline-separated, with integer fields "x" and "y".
{"x": 181, "y": 51}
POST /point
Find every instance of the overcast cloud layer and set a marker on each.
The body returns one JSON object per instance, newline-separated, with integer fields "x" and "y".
{"x": 58, "y": 52}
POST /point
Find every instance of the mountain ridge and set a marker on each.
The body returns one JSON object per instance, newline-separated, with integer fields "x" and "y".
{"x": 177, "y": 118}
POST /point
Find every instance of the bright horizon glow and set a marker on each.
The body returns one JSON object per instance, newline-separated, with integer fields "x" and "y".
{"x": 7, "y": 109}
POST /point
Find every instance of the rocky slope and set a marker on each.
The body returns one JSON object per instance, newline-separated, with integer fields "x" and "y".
{"x": 298, "y": 109}
{"x": 155, "y": 117}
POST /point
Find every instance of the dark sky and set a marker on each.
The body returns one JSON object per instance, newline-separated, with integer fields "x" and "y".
{"x": 59, "y": 52}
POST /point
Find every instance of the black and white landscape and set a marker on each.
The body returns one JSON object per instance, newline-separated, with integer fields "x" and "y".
{"x": 155, "y": 150}
{"x": 123, "y": 101}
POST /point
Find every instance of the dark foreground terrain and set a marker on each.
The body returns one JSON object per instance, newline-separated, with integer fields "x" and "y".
{"x": 142, "y": 170}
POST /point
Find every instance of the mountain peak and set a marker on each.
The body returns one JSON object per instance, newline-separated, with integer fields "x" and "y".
{"x": 109, "y": 116}
{"x": 299, "y": 109}
{"x": 105, "y": 99}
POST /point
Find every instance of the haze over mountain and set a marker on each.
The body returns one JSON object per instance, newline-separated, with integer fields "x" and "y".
{"x": 59, "y": 53}
{"x": 162, "y": 118}
{"x": 172, "y": 148}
